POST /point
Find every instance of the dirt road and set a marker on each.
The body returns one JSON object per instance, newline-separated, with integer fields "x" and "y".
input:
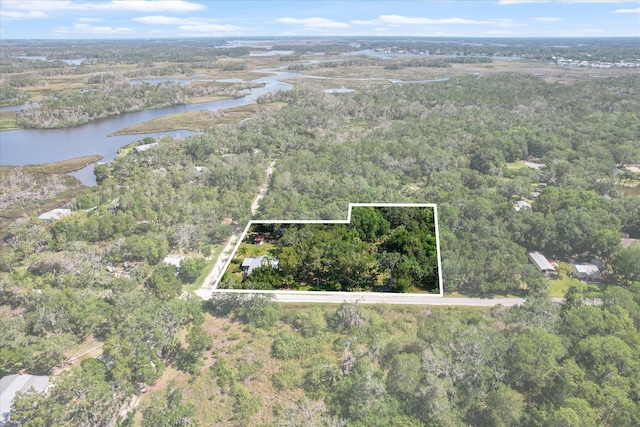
{"x": 213, "y": 278}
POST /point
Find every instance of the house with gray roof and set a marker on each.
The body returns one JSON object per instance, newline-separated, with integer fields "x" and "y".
{"x": 248, "y": 264}
{"x": 586, "y": 271}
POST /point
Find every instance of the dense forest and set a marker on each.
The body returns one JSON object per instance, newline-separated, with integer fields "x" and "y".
{"x": 381, "y": 249}
{"x": 532, "y": 365}
{"x": 466, "y": 144}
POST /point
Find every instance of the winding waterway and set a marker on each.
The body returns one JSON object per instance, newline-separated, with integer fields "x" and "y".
{"x": 33, "y": 146}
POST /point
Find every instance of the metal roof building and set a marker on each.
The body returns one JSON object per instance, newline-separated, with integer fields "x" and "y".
{"x": 541, "y": 262}
{"x": 586, "y": 271}
{"x": 144, "y": 147}
{"x": 11, "y": 384}
{"x": 54, "y": 214}
{"x": 248, "y": 264}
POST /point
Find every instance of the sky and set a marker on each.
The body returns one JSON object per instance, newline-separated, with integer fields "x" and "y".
{"x": 127, "y": 19}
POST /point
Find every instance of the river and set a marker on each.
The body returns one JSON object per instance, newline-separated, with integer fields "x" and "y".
{"x": 34, "y": 146}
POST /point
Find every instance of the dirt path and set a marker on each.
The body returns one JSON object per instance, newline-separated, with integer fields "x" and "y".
{"x": 263, "y": 189}
{"x": 212, "y": 279}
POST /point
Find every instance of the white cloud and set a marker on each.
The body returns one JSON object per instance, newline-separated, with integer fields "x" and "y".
{"x": 314, "y": 22}
{"x": 163, "y": 20}
{"x": 627, "y": 10}
{"x": 212, "y": 29}
{"x": 507, "y": 23}
{"x": 548, "y": 19}
{"x": 40, "y": 6}
{"x": 115, "y": 5}
{"x": 520, "y": 1}
{"x": 91, "y": 29}
{"x": 498, "y": 32}
{"x": 90, "y": 20}
{"x": 18, "y": 14}
{"x": 193, "y": 26}
{"x": 151, "y": 6}
{"x": 406, "y": 20}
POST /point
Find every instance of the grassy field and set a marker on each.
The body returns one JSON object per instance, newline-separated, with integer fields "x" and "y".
{"x": 8, "y": 120}
{"x": 211, "y": 262}
{"x": 559, "y": 287}
{"x": 273, "y": 382}
{"x": 196, "y": 121}
{"x": 378, "y": 74}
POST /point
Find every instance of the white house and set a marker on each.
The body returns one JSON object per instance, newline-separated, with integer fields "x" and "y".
{"x": 584, "y": 271}
{"x": 248, "y": 264}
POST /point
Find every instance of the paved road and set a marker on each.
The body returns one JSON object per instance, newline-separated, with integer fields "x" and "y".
{"x": 383, "y": 298}
{"x": 216, "y": 273}
{"x": 212, "y": 280}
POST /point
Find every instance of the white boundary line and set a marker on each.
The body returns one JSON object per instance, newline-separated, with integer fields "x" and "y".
{"x": 347, "y": 221}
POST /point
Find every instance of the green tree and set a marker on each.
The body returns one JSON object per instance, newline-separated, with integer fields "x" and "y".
{"x": 502, "y": 407}
{"x": 533, "y": 359}
{"x": 163, "y": 282}
{"x": 405, "y": 374}
{"x": 190, "y": 269}
{"x": 170, "y": 411}
{"x": 625, "y": 264}
{"x": 198, "y": 342}
{"x": 245, "y": 405}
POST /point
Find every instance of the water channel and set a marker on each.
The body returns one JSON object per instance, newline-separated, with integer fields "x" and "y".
{"x": 34, "y": 146}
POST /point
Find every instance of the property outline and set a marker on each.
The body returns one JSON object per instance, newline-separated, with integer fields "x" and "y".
{"x": 340, "y": 221}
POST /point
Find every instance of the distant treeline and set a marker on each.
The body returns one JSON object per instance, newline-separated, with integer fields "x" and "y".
{"x": 435, "y": 62}
{"x": 117, "y": 97}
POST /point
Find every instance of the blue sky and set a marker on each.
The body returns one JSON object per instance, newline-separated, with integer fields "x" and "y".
{"x": 58, "y": 19}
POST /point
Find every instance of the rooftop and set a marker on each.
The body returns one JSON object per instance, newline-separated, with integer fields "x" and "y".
{"x": 54, "y": 214}
{"x": 588, "y": 269}
{"x": 541, "y": 261}
{"x": 248, "y": 264}
{"x": 144, "y": 147}
{"x": 11, "y": 384}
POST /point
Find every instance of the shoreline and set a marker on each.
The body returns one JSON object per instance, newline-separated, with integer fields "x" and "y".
{"x": 62, "y": 167}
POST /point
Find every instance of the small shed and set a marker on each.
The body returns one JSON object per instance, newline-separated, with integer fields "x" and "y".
{"x": 521, "y": 204}
{"x": 12, "y": 384}
{"x": 54, "y": 214}
{"x": 541, "y": 262}
{"x": 585, "y": 271}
